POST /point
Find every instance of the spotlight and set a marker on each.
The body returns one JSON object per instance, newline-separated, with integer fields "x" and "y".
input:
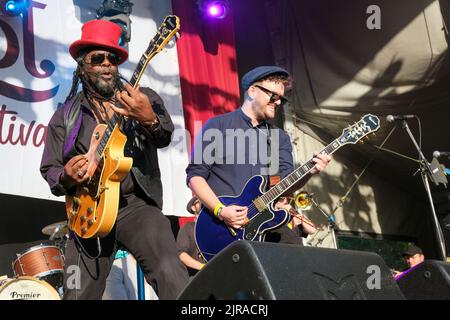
{"x": 214, "y": 9}
{"x": 14, "y": 8}
{"x": 117, "y": 11}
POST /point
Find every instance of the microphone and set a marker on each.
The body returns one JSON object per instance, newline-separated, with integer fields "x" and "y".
{"x": 392, "y": 118}
{"x": 437, "y": 154}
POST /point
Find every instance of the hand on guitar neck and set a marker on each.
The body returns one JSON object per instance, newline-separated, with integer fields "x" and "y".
{"x": 135, "y": 105}
{"x": 321, "y": 160}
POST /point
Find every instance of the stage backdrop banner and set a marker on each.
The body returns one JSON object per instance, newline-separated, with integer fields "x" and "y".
{"x": 36, "y": 75}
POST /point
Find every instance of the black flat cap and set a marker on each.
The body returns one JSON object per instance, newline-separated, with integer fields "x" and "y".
{"x": 259, "y": 73}
{"x": 412, "y": 250}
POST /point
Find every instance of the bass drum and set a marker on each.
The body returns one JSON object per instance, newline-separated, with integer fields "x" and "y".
{"x": 27, "y": 288}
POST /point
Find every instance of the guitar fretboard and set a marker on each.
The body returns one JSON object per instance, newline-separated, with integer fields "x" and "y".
{"x": 284, "y": 185}
{"x": 115, "y": 120}
{"x": 368, "y": 124}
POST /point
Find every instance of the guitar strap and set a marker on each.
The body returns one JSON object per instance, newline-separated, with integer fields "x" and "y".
{"x": 72, "y": 123}
{"x": 269, "y": 178}
{"x": 269, "y": 155}
{"x": 273, "y": 179}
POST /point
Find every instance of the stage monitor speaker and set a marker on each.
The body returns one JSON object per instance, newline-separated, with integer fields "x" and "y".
{"x": 270, "y": 271}
{"x": 429, "y": 280}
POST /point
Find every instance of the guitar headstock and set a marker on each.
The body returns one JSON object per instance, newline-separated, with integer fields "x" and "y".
{"x": 169, "y": 28}
{"x": 367, "y": 125}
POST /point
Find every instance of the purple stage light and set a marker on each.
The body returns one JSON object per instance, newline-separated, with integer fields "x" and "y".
{"x": 216, "y": 9}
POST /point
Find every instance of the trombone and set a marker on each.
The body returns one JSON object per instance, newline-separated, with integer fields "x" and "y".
{"x": 302, "y": 201}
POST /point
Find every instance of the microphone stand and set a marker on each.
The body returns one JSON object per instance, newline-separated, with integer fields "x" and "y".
{"x": 426, "y": 173}
{"x": 331, "y": 224}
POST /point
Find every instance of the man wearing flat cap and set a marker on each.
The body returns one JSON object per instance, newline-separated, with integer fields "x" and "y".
{"x": 413, "y": 255}
{"x": 141, "y": 228}
{"x": 245, "y": 144}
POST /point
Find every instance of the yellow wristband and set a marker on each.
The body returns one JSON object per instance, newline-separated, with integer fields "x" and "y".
{"x": 216, "y": 209}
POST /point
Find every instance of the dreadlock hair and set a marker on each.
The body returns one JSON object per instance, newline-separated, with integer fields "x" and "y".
{"x": 76, "y": 77}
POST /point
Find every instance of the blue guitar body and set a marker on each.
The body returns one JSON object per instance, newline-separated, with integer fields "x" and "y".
{"x": 213, "y": 235}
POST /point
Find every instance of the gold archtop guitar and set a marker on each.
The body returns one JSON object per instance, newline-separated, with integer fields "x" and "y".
{"x": 92, "y": 209}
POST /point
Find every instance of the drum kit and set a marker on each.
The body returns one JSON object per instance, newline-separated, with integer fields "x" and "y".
{"x": 38, "y": 271}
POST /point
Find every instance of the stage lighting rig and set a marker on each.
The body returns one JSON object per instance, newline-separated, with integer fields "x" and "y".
{"x": 117, "y": 11}
{"x": 14, "y": 8}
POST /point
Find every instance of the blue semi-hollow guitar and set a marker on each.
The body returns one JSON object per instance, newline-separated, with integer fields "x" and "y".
{"x": 213, "y": 235}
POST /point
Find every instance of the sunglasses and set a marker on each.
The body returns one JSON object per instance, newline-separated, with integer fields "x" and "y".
{"x": 273, "y": 97}
{"x": 98, "y": 58}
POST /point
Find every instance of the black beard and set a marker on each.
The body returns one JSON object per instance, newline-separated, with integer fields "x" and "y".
{"x": 101, "y": 87}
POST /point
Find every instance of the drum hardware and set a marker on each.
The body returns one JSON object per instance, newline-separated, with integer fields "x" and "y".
{"x": 58, "y": 230}
{"x": 21, "y": 265}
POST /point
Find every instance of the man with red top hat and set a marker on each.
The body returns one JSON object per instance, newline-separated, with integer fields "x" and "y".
{"x": 141, "y": 228}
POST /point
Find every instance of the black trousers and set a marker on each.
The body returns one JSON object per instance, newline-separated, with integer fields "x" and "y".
{"x": 142, "y": 230}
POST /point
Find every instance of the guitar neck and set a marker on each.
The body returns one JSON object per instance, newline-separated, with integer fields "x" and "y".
{"x": 167, "y": 30}
{"x": 368, "y": 124}
{"x": 116, "y": 118}
{"x": 289, "y": 181}
{"x": 139, "y": 71}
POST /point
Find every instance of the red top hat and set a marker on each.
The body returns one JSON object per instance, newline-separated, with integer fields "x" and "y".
{"x": 99, "y": 33}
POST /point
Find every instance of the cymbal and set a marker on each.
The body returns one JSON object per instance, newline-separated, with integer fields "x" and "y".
{"x": 56, "y": 230}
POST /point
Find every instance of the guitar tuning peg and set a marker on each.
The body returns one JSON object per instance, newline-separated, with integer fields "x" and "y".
{"x": 178, "y": 35}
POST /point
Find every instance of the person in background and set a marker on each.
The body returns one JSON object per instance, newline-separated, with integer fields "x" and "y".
{"x": 298, "y": 228}
{"x": 188, "y": 251}
{"x": 413, "y": 256}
